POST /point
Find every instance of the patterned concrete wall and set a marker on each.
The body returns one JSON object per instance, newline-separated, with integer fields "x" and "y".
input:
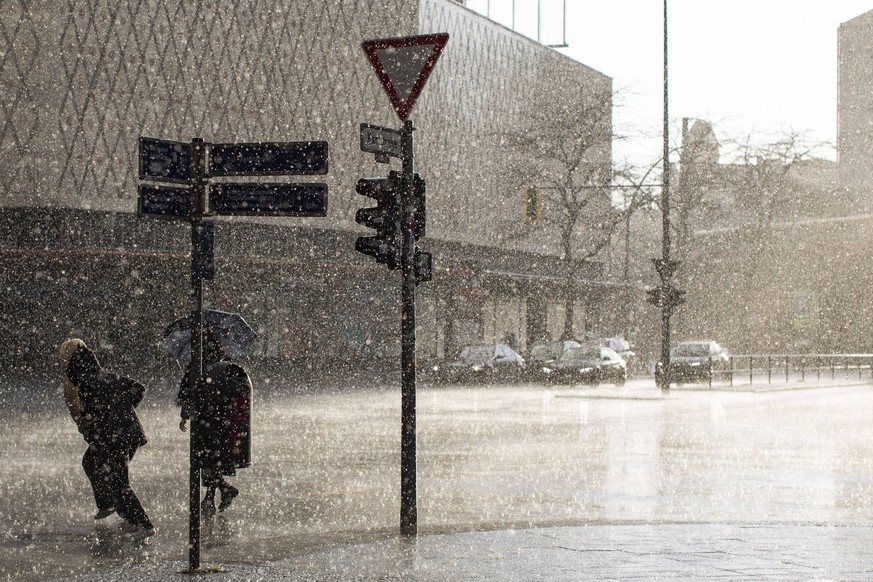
{"x": 488, "y": 79}
{"x": 81, "y": 80}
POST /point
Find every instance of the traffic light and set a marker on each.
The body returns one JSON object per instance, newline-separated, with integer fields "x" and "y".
{"x": 665, "y": 295}
{"x": 533, "y": 205}
{"x": 423, "y": 266}
{"x": 419, "y": 187}
{"x": 385, "y": 247}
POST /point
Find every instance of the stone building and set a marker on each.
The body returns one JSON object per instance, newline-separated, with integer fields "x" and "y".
{"x": 855, "y": 106}
{"x": 81, "y": 82}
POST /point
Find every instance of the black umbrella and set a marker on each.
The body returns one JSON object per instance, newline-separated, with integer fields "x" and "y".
{"x": 235, "y": 334}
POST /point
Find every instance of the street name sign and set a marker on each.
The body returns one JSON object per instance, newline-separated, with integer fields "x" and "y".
{"x": 164, "y": 161}
{"x": 268, "y": 158}
{"x": 164, "y": 202}
{"x": 403, "y": 65}
{"x": 381, "y": 140}
{"x": 269, "y": 199}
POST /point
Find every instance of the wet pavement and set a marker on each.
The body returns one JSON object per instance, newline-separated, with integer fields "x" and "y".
{"x": 515, "y": 483}
{"x": 597, "y": 552}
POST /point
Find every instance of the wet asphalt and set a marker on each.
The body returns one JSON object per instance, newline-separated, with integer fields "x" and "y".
{"x": 515, "y": 483}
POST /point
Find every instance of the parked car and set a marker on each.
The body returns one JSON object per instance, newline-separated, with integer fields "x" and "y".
{"x": 696, "y": 361}
{"x": 621, "y": 347}
{"x": 587, "y": 365}
{"x": 480, "y": 363}
{"x": 541, "y": 353}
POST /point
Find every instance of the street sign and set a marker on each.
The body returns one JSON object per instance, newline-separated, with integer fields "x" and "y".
{"x": 164, "y": 202}
{"x": 268, "y": 158}
{"x": 268, "y": 199}
{"x": 403, "y": 66}
{"x": 164, "y": 161}
{"x": 381, "y": 140}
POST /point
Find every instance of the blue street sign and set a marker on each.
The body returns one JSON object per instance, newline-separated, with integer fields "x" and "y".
{"x": 266, "y": 199}
{"x": 268, "y": 159}
{"x": 164, "y": 161}
{"x": 164, "y": 202}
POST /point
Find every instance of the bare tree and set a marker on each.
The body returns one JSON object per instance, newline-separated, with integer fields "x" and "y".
{"x": 767, "y": 183}
{"x": 563, "y": 155}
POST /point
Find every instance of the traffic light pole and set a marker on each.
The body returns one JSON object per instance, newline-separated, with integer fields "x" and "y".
{"x": 408, "y": 498}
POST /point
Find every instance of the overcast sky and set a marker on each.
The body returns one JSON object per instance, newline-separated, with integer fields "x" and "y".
{"x": 749, "y": 66}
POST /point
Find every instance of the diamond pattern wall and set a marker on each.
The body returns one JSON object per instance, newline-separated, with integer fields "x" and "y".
{"x": 81, "y": 80}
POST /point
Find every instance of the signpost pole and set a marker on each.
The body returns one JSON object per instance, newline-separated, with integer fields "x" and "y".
{"x": 184, "y": 164}
{"x": 408, "y": 500}
{"x": 403, "y": 66}
{"x": 198, "y": 193}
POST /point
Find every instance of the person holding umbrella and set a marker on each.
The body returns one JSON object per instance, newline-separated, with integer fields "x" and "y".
{"x": 221, "y": 436}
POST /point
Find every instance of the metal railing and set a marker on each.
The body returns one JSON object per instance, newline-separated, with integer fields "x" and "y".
{"x": 787, "y": 368}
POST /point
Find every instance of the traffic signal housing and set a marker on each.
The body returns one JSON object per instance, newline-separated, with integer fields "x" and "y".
{"x": 384, "y": 218}
{"x": 419, "y": 187}
{"x": 665, "y": 296}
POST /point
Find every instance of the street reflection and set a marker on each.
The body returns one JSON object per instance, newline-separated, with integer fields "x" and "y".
{"x": 326, "y": 468}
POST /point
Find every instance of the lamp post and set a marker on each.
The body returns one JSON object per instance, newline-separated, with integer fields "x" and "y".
{"x": 667, "y": 297}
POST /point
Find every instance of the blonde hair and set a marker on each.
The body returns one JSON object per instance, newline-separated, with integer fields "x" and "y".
{"x": 71, "y": 391}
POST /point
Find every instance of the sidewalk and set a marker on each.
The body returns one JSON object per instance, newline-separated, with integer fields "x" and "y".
{"x": 687, "y": 552}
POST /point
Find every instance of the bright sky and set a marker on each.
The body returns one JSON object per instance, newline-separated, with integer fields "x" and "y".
{"x": 749, "y": 66}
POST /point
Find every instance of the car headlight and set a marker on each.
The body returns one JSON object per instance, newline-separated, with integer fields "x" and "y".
{"x": 477, "y": 367}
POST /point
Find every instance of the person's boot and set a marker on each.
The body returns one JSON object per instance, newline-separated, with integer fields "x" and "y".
{"x": 228, "y": 494}
{"x": 104, "y": 513}
{"x": 207, "y": 506}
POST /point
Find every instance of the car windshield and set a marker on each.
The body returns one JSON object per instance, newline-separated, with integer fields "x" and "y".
{"x": 690, "y": 351}
{"x": 545, "y": 351}
{"x": 580, "y": 354}
{"x": 476, "y": 353}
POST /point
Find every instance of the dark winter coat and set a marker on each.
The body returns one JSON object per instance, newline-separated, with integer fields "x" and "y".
{"x": 222, "y": 439}
{"x": 107, "y": 402}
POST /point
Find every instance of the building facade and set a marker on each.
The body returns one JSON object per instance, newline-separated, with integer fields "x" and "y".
{"x": 855, "y": 106}
{"x": 83, "y": 81}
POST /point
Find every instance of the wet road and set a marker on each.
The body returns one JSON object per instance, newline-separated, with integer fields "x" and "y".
{"x": 327, "y": 469}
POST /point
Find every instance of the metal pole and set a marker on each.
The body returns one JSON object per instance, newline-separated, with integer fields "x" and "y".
{"x": 408, "y": 500}
{"x": 666, "y": 276}
{"x": 198, "y": 193}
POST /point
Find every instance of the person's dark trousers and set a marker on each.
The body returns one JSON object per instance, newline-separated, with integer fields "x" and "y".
{"x": 127, "y": 503}
{"x": 98, "y": 468}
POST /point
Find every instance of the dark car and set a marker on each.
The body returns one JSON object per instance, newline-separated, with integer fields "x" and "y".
{"x": 697, "y": 361}
{"x": 480, "y": 363}
{"x": 540, "y": 353}
{"x": 588, "y": 365}
{"x": 621, "y": 347}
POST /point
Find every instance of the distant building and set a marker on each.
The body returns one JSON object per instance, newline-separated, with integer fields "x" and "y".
{"x": 855, "y": 106}
{"x": 775, "y": 253}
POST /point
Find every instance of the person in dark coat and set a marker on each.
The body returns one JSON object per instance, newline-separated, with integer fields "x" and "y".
{"x": 107, "y": 419}
{"x": 222, "y": 440}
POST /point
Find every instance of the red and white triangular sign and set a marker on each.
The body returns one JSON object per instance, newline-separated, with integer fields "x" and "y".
{"x": 403, "y": 65}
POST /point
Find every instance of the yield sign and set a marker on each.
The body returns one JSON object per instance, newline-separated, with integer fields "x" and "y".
{"x": 403, "y": 65}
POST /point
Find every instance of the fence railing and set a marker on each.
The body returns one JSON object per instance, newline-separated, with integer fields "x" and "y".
{"x": 786, "y": 368}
